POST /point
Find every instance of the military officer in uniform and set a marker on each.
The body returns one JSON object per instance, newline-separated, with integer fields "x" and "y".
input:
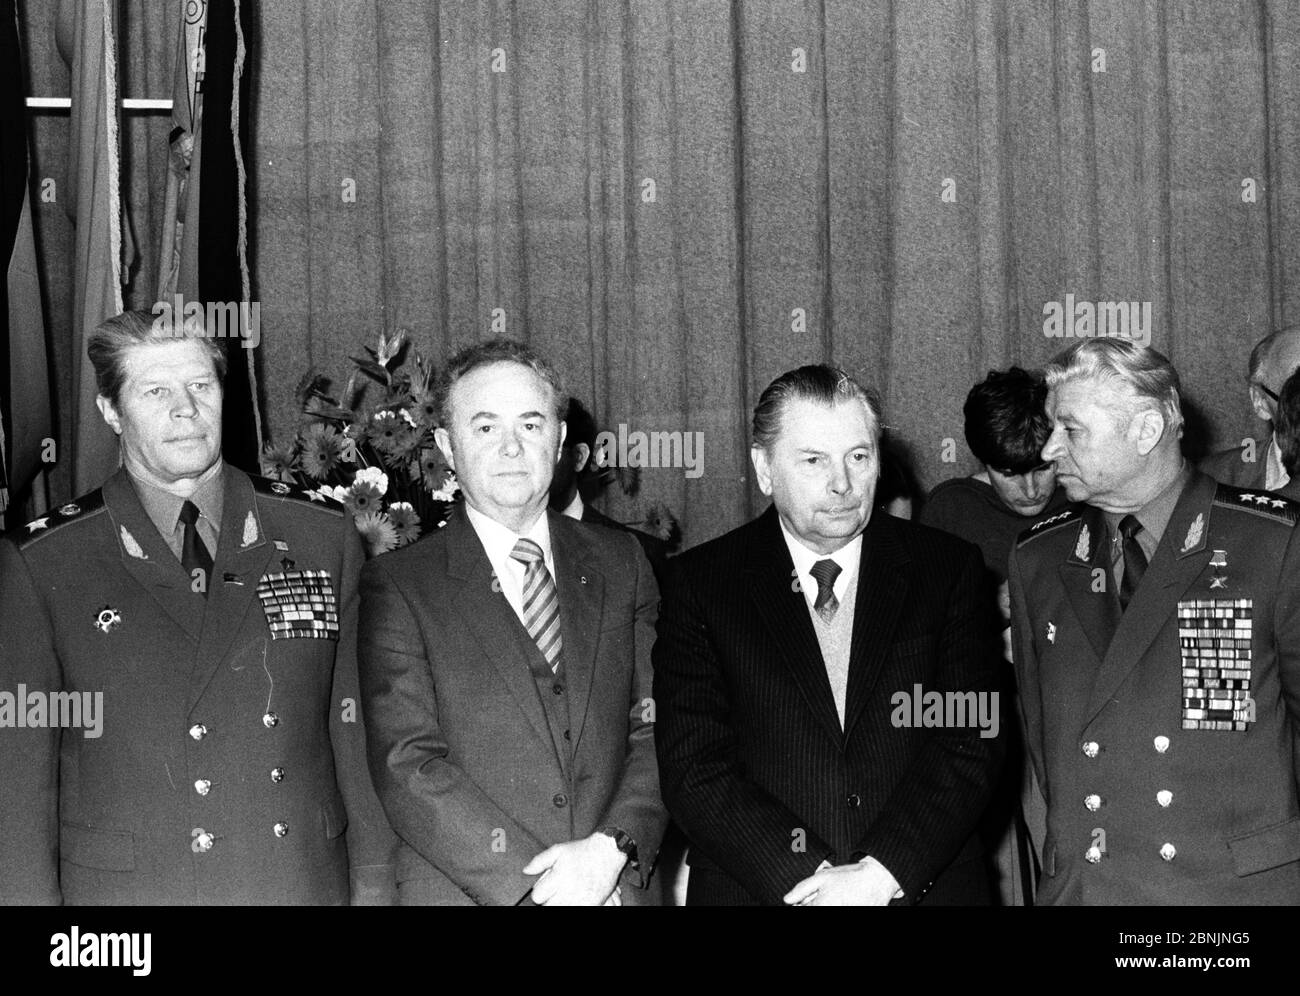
{"x": 213, "y": 616}
{"x": 1157, "y": 645}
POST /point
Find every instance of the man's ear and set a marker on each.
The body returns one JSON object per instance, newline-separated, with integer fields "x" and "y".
{"x": 1259, "y": 401}
{"x": 443, "y": 439}
{"x": 110, "y": 414}
{"x": 762, "y": 469}
{"x": 1149, "y": 427}
{"x": 581, "y": 454}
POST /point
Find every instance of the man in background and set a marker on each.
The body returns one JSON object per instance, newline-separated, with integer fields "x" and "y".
{"x": 1257, "y": 462}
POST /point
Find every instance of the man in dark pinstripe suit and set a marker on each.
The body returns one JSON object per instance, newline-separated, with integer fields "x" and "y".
{"x": 788, "y": 653}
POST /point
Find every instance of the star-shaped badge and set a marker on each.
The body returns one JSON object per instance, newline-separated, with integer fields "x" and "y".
{"x": 1219, "y": 581}
{"x": 37, "y": 524}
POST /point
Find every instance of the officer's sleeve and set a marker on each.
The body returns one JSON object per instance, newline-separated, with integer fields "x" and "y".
{"x": 1286, "y": 626}
{"x": 372, "y": 846}
{"x": 29, "y": 758}
{"x": 1025, "y": 661}
{"x": 430, "y": 801}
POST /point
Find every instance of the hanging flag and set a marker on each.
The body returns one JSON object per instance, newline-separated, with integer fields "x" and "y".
{"x": 26, "y": 416}
{"x": 87, "y": 37}
{"x": 204, "y": 253}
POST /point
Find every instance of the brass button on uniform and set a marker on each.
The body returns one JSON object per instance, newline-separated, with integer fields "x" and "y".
{"x": 1092, "y": 802}
{"x": 1091, "y": 749}
{"x": 203, "y": 786}
{"x": 1168, "y": 851}
{"x": 280, "y": 829}
{"x": 270, "y": 719}
{"x": 202, "y": 839}
{"x": 1164, "y": 797}
{"x": 1092, "y": 855}
{"x": 198, "y": 731}
{"x": 277, "y": 775}
{"x": 1161, "y": 744}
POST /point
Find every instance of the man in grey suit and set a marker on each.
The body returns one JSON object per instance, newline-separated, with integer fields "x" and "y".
{"x": 506, "y": 670}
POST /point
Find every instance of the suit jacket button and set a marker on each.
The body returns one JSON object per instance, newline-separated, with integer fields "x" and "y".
{"x": 1168, "y": 851}
{"x": 198, "y": 731}
{"x": 277, "y": 775}
{"x": 203, "y": 786}
{"x": 557, "y": 688}
{"x": 280, "y": 829}
{"x": 561, "y": 800}
{"x": 1091, "y": 748}
{"x": 854, "y": 801}
{"x": 270, "y": 720}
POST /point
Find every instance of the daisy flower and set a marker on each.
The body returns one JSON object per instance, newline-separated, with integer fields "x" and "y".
{"x": 373, "y": 476}
{"x": 378, "y": 532}
{"x": 363, "y": 497}
{"x": 277, "y": 462}
{"x": 425, "y": 407}
{"x": 406, "y": 521}
{"x": 385, "y": 430}
{"x": 321, "y": 450}
{"x": 659, "y": 521}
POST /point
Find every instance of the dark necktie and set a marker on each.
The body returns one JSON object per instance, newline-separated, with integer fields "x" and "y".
{"x": 541, "y": 601}
{"x": 1135, "y": 561}
{"x": 194, "y": 555}
{"x": 826, "y": 571}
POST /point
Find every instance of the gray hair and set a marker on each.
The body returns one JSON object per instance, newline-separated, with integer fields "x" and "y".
{"x": 108, "y": 345}
{"x": 498, "y": 351}
{"x": 1263, "y": 353}
{"x": 819, "y": 383}
{"x": 1147, "y": 371}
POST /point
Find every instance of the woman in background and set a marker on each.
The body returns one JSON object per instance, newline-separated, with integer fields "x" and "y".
{"x": 1006, "y": 429}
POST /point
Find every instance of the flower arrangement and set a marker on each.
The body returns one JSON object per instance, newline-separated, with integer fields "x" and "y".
{"x": 376, "y": 455}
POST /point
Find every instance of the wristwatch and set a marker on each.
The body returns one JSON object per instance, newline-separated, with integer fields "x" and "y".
{"x": 623, "y": 842}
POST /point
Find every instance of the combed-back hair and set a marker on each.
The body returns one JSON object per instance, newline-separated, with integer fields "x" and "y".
{"x": 498, "y": 351}
{"x": 819, "y": 382}
{"x": 1147, "y": 371}
{"x": 108, "y": 345}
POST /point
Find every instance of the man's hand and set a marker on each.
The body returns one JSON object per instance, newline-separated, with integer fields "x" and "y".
{"x": 578, "y": 873}
{"x": 866, "y": 883}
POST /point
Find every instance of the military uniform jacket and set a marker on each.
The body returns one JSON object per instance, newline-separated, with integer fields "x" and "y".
{"x": 1164, "y": 739}
{"x": 230, "y": 767}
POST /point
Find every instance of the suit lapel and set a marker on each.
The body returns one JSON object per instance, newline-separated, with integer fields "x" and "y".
{"x": 147, "y": 557}
{"x": 771, "y": 582}
{"x": 1097, "y": 609}
{"x": 883, "y": 589}
{"x": 581, "y": 590}
{"x": 499, "y": 634}
{"x": 244, "y": 552}
{"x": 1180, "y": 558}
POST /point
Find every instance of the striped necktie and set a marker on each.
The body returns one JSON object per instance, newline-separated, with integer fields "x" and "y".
{"x": 541, "y": 601}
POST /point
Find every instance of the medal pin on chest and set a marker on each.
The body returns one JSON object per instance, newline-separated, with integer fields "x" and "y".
{"x": 1219, "y": 561}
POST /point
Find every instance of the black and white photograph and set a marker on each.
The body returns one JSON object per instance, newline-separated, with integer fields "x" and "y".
{"x": 650, "y": 453}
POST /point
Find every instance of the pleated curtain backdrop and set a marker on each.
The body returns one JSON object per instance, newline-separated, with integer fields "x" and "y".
{"x": 676, "y": 201}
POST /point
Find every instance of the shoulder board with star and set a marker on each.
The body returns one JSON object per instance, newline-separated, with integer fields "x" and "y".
{"x": 83, "y": 509}
{"x": 311, "y": 497}
{"x": 1265, "y": 504}
{"x": 1049, "y": 525}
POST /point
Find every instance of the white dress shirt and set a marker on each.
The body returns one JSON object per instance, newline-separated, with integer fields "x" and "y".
{"x": 847, "y": 557}
{"x": 1275, "y": 475}
{"x": 498, "y": 542}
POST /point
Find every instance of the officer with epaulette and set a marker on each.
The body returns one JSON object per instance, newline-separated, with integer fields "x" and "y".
{"x": 207, "y": 621}
{"x": 1157, "y": 646}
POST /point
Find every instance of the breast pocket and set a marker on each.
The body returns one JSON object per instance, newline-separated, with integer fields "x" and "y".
{"x": 90, "y": 847}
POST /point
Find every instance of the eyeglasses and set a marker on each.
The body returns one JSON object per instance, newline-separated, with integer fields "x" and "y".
{"x": 1275, "y": 398}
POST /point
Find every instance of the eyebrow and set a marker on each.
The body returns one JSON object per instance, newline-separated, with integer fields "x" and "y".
{"x": 533, "y": 415}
